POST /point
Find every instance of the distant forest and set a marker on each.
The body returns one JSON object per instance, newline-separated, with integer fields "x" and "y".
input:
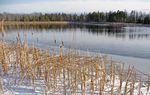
{"x": 112, "y": 16}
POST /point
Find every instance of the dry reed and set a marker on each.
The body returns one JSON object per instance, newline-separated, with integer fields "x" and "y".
{"x": 67, "y": 73}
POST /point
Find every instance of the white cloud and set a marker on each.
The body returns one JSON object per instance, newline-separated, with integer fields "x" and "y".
{"x": 76, "y": 6}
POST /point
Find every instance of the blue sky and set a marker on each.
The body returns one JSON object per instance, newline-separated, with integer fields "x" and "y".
{"x": 72, "y": 6}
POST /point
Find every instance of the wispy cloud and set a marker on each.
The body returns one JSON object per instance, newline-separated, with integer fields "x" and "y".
{"x": 77, "y": 6}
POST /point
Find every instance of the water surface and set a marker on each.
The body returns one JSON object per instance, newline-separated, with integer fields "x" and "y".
{"x": 116, "y": 40}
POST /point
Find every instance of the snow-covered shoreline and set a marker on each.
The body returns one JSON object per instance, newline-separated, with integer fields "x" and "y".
{"x": 32, "y": 71}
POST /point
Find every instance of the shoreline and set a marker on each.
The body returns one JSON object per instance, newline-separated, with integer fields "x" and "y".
{"x": 78, "y": 23}
{"x": 33, "y": 22}
{"x": 110, "y": 24}
{"x": 140, "y": 64}
{"x": 126, "y": 60}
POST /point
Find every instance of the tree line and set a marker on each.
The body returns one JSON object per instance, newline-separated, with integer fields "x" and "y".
{"x": 111, "y": 16}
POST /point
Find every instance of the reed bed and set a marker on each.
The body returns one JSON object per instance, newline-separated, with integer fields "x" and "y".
{"x": 67, "y": 72}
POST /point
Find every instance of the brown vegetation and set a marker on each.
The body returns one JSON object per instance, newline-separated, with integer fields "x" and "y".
{"x": 68, "y": 73}
{"x": 32, "y": 22}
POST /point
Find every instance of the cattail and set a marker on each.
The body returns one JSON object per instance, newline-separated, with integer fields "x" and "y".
{"x": 121, "y": 73}
{"x": 148, "y": 87}
{"x": 127, "y": 80}
{"x": 65, "y": 72}
{"x": 132, "y": 84}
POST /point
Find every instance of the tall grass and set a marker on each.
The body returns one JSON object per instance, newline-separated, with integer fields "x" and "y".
{"x": 67, "y": 72}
